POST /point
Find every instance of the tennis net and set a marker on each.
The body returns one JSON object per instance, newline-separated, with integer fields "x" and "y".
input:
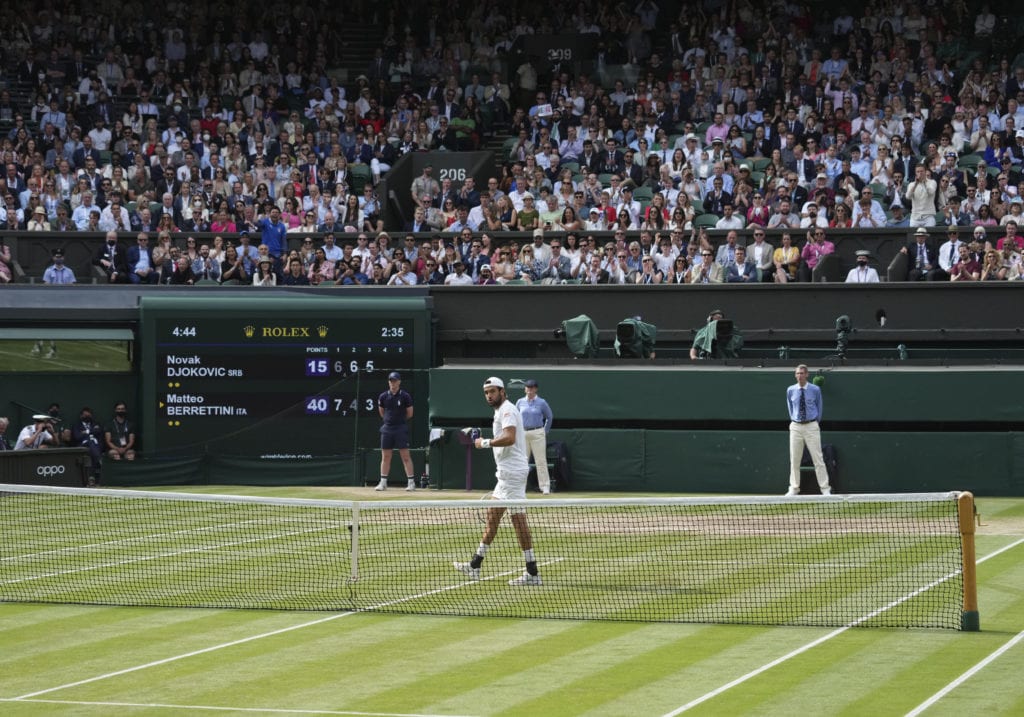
{"x": 879, "y": 560}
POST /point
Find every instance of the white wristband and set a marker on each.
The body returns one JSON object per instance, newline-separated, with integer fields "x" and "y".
{"x": 485, "y": 443}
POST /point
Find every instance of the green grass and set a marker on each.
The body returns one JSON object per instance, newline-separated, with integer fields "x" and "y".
{"x": 70, "y": 356}
{"x": 440, "y": 665}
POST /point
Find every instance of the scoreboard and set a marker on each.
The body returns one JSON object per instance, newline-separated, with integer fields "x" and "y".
{"x": 282, "y": 378}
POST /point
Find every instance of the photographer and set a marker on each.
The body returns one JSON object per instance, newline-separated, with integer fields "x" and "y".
{"x": 38, "y": 434}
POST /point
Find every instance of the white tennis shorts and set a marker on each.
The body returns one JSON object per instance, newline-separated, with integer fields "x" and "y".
{"x": 511, "y": 486}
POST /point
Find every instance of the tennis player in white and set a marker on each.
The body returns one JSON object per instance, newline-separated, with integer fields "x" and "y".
{"x": 509, "y": 446}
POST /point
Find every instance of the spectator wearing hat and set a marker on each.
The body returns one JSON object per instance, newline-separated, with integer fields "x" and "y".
{"x": 922, "y": 257}
{"x": 58, "y": 272}
{"x": 459, "y": 277}
{"x": 486, "y": 276}
{"x": 38, "y": 221}
{"x": 862, "y": 273}
{"x": 899, "y": 217}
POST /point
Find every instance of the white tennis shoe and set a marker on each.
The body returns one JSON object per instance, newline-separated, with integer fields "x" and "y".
{"x": 468, "y": 570}
{"x": 826, "y": 491}
{"x": 383, "y": 485}
{"x": 411, "y": 485}
{"x": 791, "y": 492}
{"x": 526, "y": 579}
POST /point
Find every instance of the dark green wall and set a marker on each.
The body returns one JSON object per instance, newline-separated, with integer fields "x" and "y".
{"x": 725, "y": 430}
{"x": 737, "y": 394}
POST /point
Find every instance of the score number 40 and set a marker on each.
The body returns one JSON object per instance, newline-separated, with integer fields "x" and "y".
{"x": 321, "y": 405}
{"x": 322, "y": 367}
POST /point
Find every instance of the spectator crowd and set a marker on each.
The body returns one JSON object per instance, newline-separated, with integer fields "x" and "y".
{"x": 802, "y": 119}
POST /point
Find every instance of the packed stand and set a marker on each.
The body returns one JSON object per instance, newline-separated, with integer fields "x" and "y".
{"x": 680, "y": 121}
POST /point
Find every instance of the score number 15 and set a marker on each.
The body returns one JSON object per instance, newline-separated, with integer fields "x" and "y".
{"x": 322, "y": 367}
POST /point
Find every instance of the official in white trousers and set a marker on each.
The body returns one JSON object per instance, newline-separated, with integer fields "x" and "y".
{"x": 537, "y": 418}
{"x": 803, "y": 401}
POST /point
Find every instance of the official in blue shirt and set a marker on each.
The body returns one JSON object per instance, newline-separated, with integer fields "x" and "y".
{"x": 395, "y": 409}
{"x": 803, "y": 400}
{"x": 537, "y": 418}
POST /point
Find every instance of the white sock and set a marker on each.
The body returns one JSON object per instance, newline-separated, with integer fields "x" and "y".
{"x": 528, "y": 554}
{"x": 482, "y": 550}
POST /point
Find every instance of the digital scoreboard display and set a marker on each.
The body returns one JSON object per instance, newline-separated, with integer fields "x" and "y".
{"x": 287, "y": 378}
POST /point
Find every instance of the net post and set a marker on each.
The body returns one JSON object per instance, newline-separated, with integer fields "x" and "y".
{"x": 969, "y": 618}
{"x": 355, "y": 542}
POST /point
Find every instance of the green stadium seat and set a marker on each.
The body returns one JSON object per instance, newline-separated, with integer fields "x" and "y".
{"x": 643, "y": 194}
{"x": 361, "y": 176}
{"x": 574, "y": 166}
{"x": 605, "y": 179}
{"x": 698, "y": 206}
{"x": 759, "y": 165}
{"x": 506, "y": 148}
{"x": 705, "y": 220}
{"x": 969, "y": 161}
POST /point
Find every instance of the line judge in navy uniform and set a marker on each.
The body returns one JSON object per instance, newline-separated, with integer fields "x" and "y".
{"x": 803, "y": 399}
{"x": 537, "y": 418}
{"x": 395, "y": 408}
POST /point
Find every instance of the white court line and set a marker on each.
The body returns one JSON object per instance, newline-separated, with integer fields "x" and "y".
{"x": 814, "y": 643}
{"x": 244, "y": 640}
{"x": 211, "y": 708}
{"x": 964, "y": 677}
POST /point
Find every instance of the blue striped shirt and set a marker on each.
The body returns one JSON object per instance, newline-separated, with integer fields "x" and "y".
{"x": 812, "y": 400}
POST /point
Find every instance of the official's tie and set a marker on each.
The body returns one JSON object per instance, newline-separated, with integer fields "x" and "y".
{"x": 920, "y": 257}
{"x": 801, "y": 412}
{"x": 952, "y": 253}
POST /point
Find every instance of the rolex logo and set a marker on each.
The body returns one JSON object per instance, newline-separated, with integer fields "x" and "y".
{"x": 249, "y": 331}
{"x": 321, "y": 331}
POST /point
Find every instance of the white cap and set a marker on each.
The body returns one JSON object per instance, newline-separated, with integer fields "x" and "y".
{"x": 494, "y": 382}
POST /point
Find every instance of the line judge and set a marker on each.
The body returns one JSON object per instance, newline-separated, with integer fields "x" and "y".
{"x": 803, "y": 399}
{"x": 537, "y": 418}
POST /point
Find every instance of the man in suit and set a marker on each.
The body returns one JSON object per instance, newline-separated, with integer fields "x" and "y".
{"x": 741, "y": 270}
{"x": 803, "y": 166}
{"x": 762, "y": 254}
{"x": 716, "y": 199}
{"x": 611, "y": 160}
{"x": 630, "y": 170}
{"x": 111, "y": 258}
{"x": 140, "y": 262}
{"x": 794, "y": 125}
{"x": 590, "y": 160}
{"x": 86, "y": 150}
{"x": 922, "y": 257}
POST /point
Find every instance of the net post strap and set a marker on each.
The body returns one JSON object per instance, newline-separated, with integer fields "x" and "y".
{"x": 970, "y": 619}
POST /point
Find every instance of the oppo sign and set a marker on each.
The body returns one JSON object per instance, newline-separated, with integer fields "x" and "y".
{"x": 50, "y": 471}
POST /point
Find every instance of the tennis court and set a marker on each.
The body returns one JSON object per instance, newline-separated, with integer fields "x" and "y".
{"x": 65, "y": 659}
